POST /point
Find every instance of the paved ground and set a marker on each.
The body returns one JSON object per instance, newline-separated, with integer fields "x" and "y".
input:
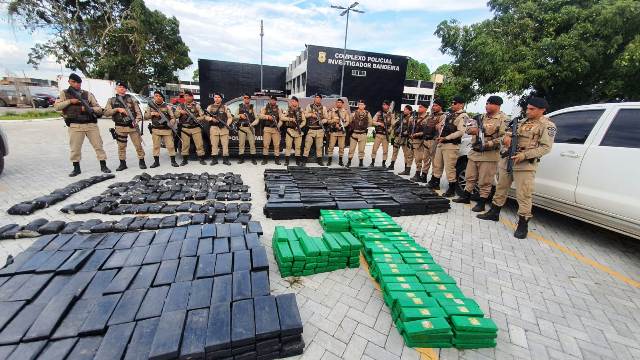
{"x": 569, "y": 291}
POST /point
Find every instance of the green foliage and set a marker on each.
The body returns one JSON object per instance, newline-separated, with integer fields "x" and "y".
{"x": 417, "y": 71}
{"x": 196, "y": 75}
{"x": 109, "y": 39}
{"x": 572, "y": 52}
{"x": 28, "y": 115}
{"x": 453, "y": 85}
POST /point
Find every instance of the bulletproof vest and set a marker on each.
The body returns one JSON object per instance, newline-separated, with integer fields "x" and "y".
{"x": 248, "y": 111}
{"x": 403, "y": 124}
{"x": 185, "y": 118}
{"x": 318, "y": 111}
{"x": 449, "y": 128}
{"x": 336, "y": 126}
{"x": 73, "y": 113}
{"x": 294, "y": 114}
{"x": 156, "y": 121}
{"x": 220, "y": 114}
{"x": 430, "y": 126}
{"x": 360, "y": 121}
{"x": 122, "y": 119}
{"x": 272, "y": 111}
{"x": 386, "y": 118}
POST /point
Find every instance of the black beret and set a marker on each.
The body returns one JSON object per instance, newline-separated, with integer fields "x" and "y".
{"x": 294, "y": 98}
{"x": 439, "y": 102}
{"x": 318, "y": 96}
{"x": 458, "y": 99}
{"x": 217, "y": 93}
{"x": 75, "y": 78}
{"x": 540, "y": 103}
{"x": 386, "y": 102}
{"x": 188, "y": 92}
{"x": 340, "y": 99}
{"x": 408, "y": 107}
{"x": 159, "y": 93}
{"x": 246, "y": 94}
{"x": 122, "y": 83}
{"x": 273, "y": 97}
{"x": 495, "y": 100}
{"x": 361, "y": 101}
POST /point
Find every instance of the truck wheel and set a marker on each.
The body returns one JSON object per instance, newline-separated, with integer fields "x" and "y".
{"x": 461, "y": 171}
{"x": 1, "y": 163}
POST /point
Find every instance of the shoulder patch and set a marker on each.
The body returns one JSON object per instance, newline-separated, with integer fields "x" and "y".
{"x": 551, "y": 131}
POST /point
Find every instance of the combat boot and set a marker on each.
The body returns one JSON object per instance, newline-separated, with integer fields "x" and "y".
{"x": 303, "y": 161}
{"x": 465, "y": 198}
{"x": 384, "y": 163}
{"x": 407, "y": 171}
{"x": 298, "y": 161}
{"x": 416, "y": 177}
{"x": 241, "y": 159}
{"x": 264, "y": 160}
{"x": 286, "y": 161}
{"x": 253, "y": 159}
{"x": 451, "y": 191}
{"x": 276, "y": 159}
{"x": 184, "y": 161}
{"x": 173, "y": 161}
{"x": 123, "y": 165}
{"x": 434, "y": 183}
{"x": 523, "y": 228}
{"x": 479, "y": 205}
{"x": 319, "y": 161}
{"x": 329, "y": 161}
{"x": 349, "y": 162}
{"x": 423, "y": 178}
{"x": 361, "y": 163}
{"x": 76, "y": 169}
{"x": 493, "y": 214}
{"x": 156, "y": 162}
{"x": 202, "y": 161}
{"x": 225, "y": 160}
{"x": 103, "y": 167}
{"x": 372, "y": 162}
{"x": 142, "y": 164}
{"x": 392, "y": 164}
{"x": 340, "y": 162}
{"x": 214, "y": 160}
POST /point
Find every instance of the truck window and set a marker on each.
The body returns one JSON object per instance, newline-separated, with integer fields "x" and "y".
{"x": 624, "y": 131}
{"x": 574, "y": 127}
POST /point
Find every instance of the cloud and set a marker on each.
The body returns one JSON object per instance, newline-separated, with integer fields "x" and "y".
{"x": 422, "y": 5}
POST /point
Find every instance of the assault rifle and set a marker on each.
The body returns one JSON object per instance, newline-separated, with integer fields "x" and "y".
{"x": 163, "y": 117}
{"x": 89, "y": 110}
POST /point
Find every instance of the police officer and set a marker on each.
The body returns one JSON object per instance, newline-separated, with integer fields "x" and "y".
{"x": 293, "y": 121}
{"x": 415, "y": 145}
{"x": 189, "y": 116}
{"x": 316, "y": 118}
{"x": 247, "y": 120}
{"x": 400, "y": 136}
{"x": 428, "y": 124}
{"x": 271, "y": 115}
{"x": 81, "y": 122}
{"x": 360, "y": 122}
{"x": 535, "y": 139}
{"x": 126, "y": 115}
{"x": 448, "y": 142}
{"x": 486, "y": 131}
{"x": 163, "y": 124}
{"x": 383, "y": 121}
{"x": 220, "y": 118}
{"x": 339, "y": 121}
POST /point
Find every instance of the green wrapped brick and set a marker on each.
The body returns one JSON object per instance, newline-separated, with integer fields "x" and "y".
{"x": 473, "y": 324}
{"x": 460, "y": 301}
{"x": 331, "y": 243}
{"x": 418, "y": 313}
{"x": 434, "y": 277}
{"x": 385, "y": 269}
{"x": 406, "y": 300}
{"x": 463, "y": 310}
{"x": 425, "y": 266}
{"x": 309, "y": 247}
{"x": 389, "y": 258}
{"x": 435, "y": 288}
{"x": 284, "y": 251}
{"x": 406, "y": 287}
{"x": 399, "y": 279}
{"x": 421, "y": 328}
{"x": 296, "y": 250}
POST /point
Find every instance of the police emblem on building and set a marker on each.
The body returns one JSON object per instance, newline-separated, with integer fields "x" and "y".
{"x": 322, "y": 56}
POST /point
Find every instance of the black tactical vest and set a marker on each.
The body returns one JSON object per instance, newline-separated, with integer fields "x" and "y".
{"x": 449, "y": 128}
{"x": 156, "y": 121}
{"x": 122, "y": 119}
{"x": 73, "y": 113}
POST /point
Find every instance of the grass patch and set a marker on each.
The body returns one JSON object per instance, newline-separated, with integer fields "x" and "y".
{"x": 28, "y": 115}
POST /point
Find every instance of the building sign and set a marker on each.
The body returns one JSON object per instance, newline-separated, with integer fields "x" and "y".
{"x": 362, "y": 61}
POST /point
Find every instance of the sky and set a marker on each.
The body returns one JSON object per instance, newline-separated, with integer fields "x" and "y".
{"x": 229, "y": 30}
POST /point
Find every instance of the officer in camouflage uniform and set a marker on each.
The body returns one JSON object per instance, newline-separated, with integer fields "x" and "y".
{"x": 339, "y": 121}
{"x": 383, "y": 122}
{"x": 247, "y": 120}
{"x": 360, "y": 122}
{"x": 80, "y": 123}
{"x": 400, "y": 138}
{"x": 162, "y": 128}
{"x": 219, "y": 133}
{"x": 535, "y": 139}
{"x": 272, "y": 116}
{"x": 126, "y": 123}
{"x": 483, "y": 158}
{"x": 293, "y": 121}
{"x": 316, "y": 117}
{"x": 448, "y": 142}
{"x": 189, "y": 116}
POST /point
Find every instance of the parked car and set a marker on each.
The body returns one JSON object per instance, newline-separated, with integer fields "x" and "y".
{"x": 11, "y": 97}
{"x": 50, "y": 98}
{"x": 4, "y": 148}
{"x": 143, "y": 101}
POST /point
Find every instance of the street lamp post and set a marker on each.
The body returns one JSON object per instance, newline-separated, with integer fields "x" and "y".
{"x": 345, "y": 11}
{"x": 261, "y": 36}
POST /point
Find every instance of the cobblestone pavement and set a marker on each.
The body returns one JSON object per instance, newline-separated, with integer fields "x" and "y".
{"x": 560, "y": 294}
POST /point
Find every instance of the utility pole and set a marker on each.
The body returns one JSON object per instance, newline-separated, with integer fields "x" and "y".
{"x": 261, "y": 36}
{"x": 346, "y": 30}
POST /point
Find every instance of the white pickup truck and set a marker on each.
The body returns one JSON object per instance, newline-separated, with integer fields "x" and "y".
{"x": 592, "y": 172}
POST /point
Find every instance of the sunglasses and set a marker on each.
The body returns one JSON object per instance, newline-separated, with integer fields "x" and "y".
{"x": 246, "y": 97}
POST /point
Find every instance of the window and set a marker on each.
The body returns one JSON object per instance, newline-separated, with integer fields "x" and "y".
{"x": 423, "y": 97}
{"x": 624, "y": 131}
{"x": 408, "y": 97}
{"x": 361, "y": 73}
{"x": 574, "y": 127}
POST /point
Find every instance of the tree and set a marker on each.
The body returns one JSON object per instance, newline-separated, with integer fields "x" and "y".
{"x": 571, "y": 52}
{"x": 452, "y": 85}
{"x": 196, "y": 75}
{"x": 109, "y": 39}
{"x": 417, "y": 70}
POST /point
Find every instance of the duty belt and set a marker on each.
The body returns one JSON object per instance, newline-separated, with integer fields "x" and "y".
{"x": 359, "y": 131}
{"x": 315, "y": 127}
{"x": 189, "y": 126}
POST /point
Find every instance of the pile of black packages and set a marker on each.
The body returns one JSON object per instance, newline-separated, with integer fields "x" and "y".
{"x": 168, "y": 194}
{"x": 193, "y": 292}
{"x": 29, "y": 207}
{"x": 301, "y": 192}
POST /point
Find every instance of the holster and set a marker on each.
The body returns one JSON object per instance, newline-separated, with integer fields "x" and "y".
{"x": 113, "y": 133}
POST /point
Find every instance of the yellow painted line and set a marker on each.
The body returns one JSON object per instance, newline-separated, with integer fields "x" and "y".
{"x": 425, "y": 353}
{"x": 576, "y": 255}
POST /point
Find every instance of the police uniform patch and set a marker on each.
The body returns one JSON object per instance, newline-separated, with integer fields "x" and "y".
{"x": 551, "y": 131}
